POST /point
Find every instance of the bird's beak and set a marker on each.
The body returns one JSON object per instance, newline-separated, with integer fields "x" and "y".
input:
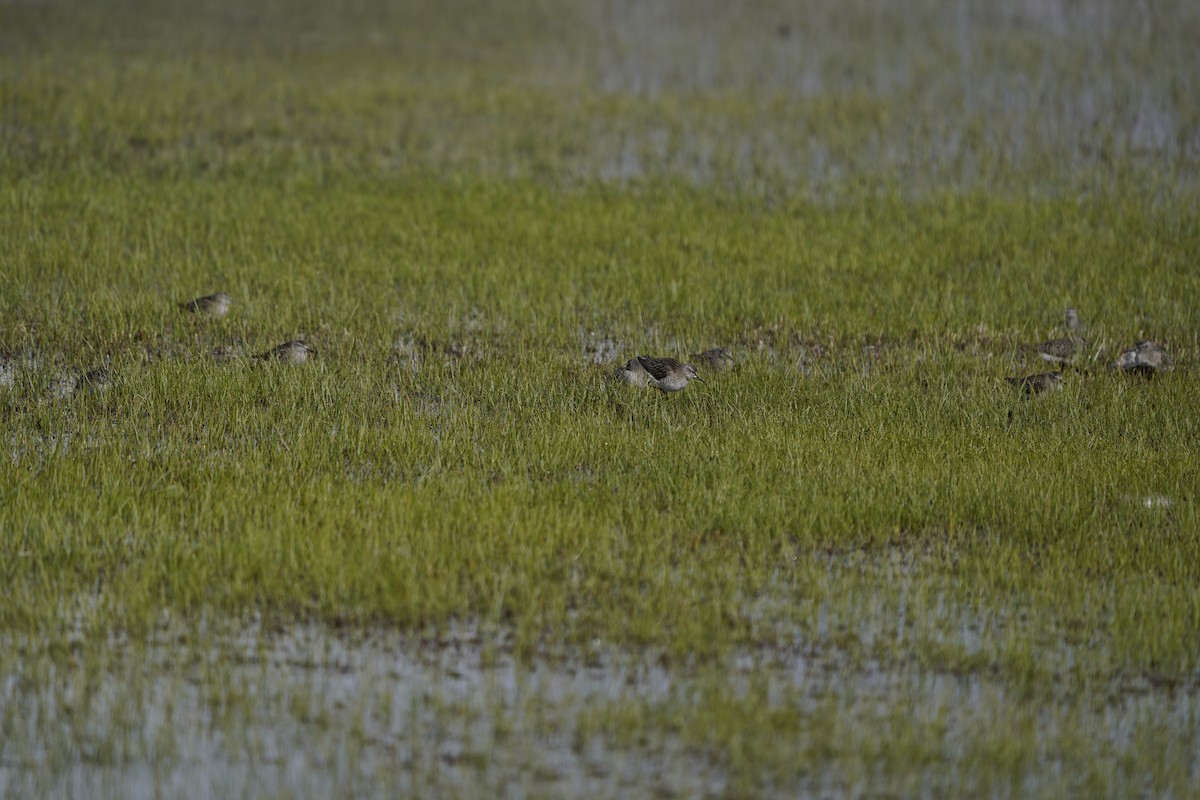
{"x": 701, "y": 379}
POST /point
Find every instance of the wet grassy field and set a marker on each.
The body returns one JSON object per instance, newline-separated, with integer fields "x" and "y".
{"x": 449, "y": 555}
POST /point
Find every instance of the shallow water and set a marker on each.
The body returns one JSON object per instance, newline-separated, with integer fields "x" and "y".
{"x": 956, "y": 92}
{"x": 221, "y": 711}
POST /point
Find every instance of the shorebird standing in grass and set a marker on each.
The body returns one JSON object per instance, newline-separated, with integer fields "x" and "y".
{"x": 717, "y": 359}
{"x": 293, "y": 352}
{"x": 97, "y": 380}
{"x": 1064, "y": 350}
{"x": 1144, "y": 358}
{"x": 213, "y": 305}
{"x": 632, "y": 373}
{"x": 1036, "y": 384}
{"x": 94, "y": 381}
{"x": 667, "y": 374}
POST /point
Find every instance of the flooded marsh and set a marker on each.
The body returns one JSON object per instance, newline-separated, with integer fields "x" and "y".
{"x": 444, "y": 547}
{"x": 218, "y": 711}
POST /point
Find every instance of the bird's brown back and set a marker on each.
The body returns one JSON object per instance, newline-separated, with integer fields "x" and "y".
{"x": 659, "y": 368}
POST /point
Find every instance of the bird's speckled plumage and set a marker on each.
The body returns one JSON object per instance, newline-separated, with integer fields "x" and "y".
{"x": 632, "y": 373}
{"x": 718, "y": 359}
{"x": 1036, "y": 384}
{"x": 98, "y": 378}
{"x": 667, "y": 374}
{"x": 1143, "y": 358}
{"x": 293, "y": 352}
{"x": 213, "y": 305}
{"x": 1064, "y": 350}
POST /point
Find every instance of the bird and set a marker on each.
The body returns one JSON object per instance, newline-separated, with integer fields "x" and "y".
{"x": 1144, "y": 358}
{"x": 667, "y": 374}
{"x": 96, "y": 379}
{"x": 293, "y": 352}
{"x": 213, "y": 305}
{"x": 717, "y": 359}
{"x": 632, "y": 373}
{"x": 1064, "y": 350}
{"x": 1036, "y": 384}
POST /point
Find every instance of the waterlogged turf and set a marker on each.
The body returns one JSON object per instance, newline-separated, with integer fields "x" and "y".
{"x": 449, "y": 555}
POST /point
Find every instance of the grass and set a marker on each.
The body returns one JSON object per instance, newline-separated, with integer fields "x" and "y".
{"x": 860, "y": 561}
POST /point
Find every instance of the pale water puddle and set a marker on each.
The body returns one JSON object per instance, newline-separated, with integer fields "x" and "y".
{"x": 311, "y": 712}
